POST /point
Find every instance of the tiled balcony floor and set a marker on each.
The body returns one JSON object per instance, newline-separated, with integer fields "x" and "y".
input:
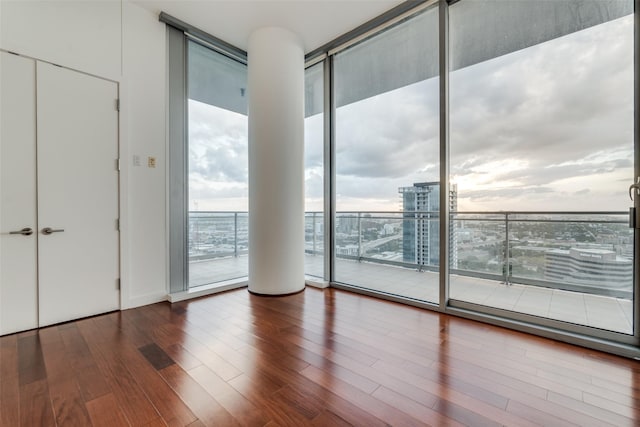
{"x": 602, "y": 312}
{"x": 202, "y": 272}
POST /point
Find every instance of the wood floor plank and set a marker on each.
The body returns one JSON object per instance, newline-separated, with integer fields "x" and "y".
{"x": 317, "y": 358}
{"x": 375, "y": 407}
{"x": 90, "y": 380}
{"x": 131, "y": 399}
{"x": 336, "y": 406}
{"x": 9, "y": 356}
{"x": 329, "y": 419}
{"x": 137, "y": 326}
{"x": 463, "y": 415}
{"x": 628, "y": 389}
{"x": 268, "y": 385}
{"x": 275, "y": 351}
{"x": 182, "y": 356}
{"x": 9, "y": 401}
{"x": 220, "y": 358}
{"x": 156, "y": 356}
{"x": 591, "y": 411}
{"x": 338, "y": 344}
{"x": 304, "y": 403}
{"x": 35, "y": 404}
{"x": 30, "y": 360}
{"x": 206, "y": 409}
{"x": 169, "y": 336}
{"x": 511, "y": 377}
{"x": 104, "y": 411}
{"x": 458, "y": 395}
{"x": 66, "y": 397}
{"x": 9, "y": 382}
{"x": 537, "y": 416}
{"x": 144, "y": 364}
{"x": 413, "y": 408}
{"x": 243, "y": 410}
{"x": 618, "y": 404}
{"x": 159, "y": 422}
{"x": 68, "y": 404}
{"x": 263, "y": 396}
{"x": 440, "y": 379}
{"x": 338, "y": 364}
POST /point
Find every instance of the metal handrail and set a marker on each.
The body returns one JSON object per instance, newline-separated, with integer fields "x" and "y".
{"x": 507, "y": 217}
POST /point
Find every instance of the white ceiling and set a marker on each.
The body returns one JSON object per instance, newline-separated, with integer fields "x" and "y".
{"x": 315, "y": 21}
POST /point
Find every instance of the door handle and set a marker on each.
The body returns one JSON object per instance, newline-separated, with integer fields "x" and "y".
{"x": 27, "y": 231}
{"x": 49, "y": 230}
{"x": 635, "y": 187}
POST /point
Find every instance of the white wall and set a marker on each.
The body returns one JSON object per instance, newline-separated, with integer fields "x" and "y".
{"x": 143, "y": 117}
{"x": 82, "y": 35}
{"x": 125, "y": 43}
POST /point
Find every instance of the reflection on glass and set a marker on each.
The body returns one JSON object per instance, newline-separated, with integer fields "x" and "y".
{"x": 387, "y": 159}
{"x": 218, "y": 156}
{"x": 541, "y": 142}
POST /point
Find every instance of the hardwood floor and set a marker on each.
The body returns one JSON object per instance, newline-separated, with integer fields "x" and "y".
{"x": 321, "y": 358}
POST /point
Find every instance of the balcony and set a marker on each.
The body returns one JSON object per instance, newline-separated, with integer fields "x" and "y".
{"x": 573, "y": 267}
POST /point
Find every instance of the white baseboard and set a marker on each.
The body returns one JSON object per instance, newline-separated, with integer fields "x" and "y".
{"x": 214, "y": 288}
{"x": 316, "y": 282}
{"x": 144, "y": 300}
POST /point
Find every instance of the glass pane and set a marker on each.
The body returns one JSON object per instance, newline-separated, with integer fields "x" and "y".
{"x": 218, "y": 157}
{"x": 541, "y": 147}
{"x": 314, "y": 171}
{"x": 387, "y": 160}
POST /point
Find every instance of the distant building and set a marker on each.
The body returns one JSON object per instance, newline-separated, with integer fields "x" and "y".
{"x": 349, "y": 250}
{"x": 347, "y": 223}
{"x": 589, "y": 267}
{"x": 421, "y": 229}
{"x": 388, "y": 230}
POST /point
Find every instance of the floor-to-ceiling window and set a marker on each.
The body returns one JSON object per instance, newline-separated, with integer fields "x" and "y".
{"x": 542, "y": 154}
{"x": 539, "y": 156}
{"x": 387, "y": 160}
{"x": 217, "y": 166}
{"x": 314, "y": 176}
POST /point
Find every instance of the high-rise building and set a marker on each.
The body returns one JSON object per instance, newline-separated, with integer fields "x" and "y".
{"x": 596, "y": 268}
{"x": 421, "y": 228}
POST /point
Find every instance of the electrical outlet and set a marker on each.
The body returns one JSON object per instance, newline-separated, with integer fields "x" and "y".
{"x": 151, "y": 162}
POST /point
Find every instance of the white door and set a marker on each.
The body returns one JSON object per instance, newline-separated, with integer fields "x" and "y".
{"x": 77, "y": 195}
{"x": 18, "y": 269}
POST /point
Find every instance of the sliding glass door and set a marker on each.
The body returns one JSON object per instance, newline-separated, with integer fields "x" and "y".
{"x": 542, "y": 155}
{"x": 217, "y": 167}
{"x": 387, "y": 160}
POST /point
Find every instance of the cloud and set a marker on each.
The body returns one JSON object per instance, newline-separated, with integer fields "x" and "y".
{"x": 557, "y": 101}
{"x": 218, "y": 147}
{"x": 389, "y": 135}
{"x": 539, "y": 122}
{"x": 548, "y": 127}
{"x": 218, "y": 158}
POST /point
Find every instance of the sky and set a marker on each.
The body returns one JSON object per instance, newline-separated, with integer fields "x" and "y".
{"x": 218, "y": 159}
{"x": 549, "y": 127}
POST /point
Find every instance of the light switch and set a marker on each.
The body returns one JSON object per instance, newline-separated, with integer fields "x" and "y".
{"x": 136, "y": 160}
{"x": 151, "y": 162}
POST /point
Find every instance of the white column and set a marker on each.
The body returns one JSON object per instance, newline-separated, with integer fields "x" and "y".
{"x": 276, "y": 162}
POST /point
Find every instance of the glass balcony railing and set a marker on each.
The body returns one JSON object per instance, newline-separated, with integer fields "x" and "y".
{"x": 588, "y": 252}
{"x": 217, "y": 235}
{"x": 314, "y": 233}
